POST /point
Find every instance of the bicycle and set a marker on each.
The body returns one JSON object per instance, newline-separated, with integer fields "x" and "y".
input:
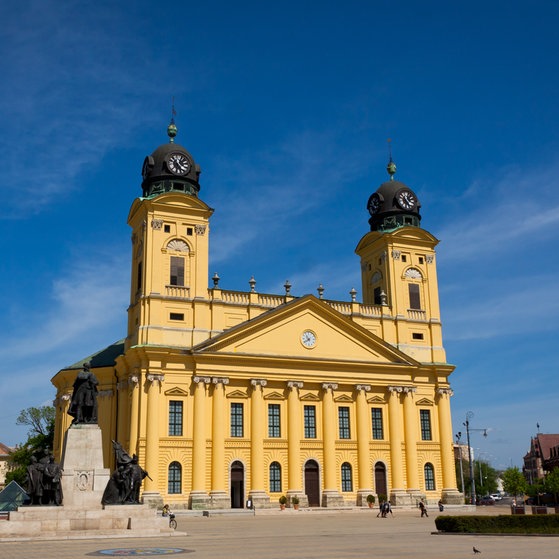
{"x": 172, "y": 521}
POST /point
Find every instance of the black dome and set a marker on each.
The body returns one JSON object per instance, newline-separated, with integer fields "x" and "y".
{"x": 393, "y": 205}
{"x": 170, "y": 168}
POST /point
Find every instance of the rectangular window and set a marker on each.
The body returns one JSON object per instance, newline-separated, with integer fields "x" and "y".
{"x": 417, "y": 336}
{"x": 236, "y": 420}
{"x": 343, "y": 422}
{"x": 310, "y": 422}
{"x": 175, "y": 419}
{"x": 274, "y": 427}
{"x": 415, "y": 302}
{"x": 139, "y": 277}
{"x": 376, "y": 296}
{"x": 376, "y": 417}
{"x": 177, "y": 271}
{"x": 425, "y": 418}
{"x": 176, "y": 316}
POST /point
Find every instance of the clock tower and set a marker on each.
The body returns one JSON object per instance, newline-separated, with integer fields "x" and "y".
{"x": 170, "y": 250}
{"x": 398, "y": 271}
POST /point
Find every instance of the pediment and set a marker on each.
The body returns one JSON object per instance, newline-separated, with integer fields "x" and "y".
{"x": 343, "y": 398}
{"x": 176, "y": 391}
{"x": 425, "y": 402}
{"x": 237, "y": 394}
{"x": 376, "y": 400}
{"x": 274, "y": 396}
{"x": 309, "y": 397}
{"x": 279, "y": 333}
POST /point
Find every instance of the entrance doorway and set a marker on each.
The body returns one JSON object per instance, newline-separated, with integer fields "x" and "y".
{"x": 237, "y": 485}
{"x": 380, "y": 479}
{"x": 312, "y": 483}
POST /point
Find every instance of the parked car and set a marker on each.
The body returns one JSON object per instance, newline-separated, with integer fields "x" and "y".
{"x": 487, "y": 500}
{"x": 496, "y": 496}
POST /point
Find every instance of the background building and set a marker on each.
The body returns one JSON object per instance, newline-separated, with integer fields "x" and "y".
{"x": 542, "y": 457}
{"x": 227, "y": 396}
{"x": 4, "y": 465}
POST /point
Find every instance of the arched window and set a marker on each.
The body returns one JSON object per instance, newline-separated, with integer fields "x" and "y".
{"x": 174, "y": 478}
{"x": 429, "y": 477}
{"x": 414, "y": 288}
{"x": 275, "y": 477}
{"x": 177, "y": 274}
{"x": 347, "y": 482}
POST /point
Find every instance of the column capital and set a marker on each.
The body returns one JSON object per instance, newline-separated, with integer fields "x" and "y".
{"x": 294, "y": 384}
{"x": 327, "y": 385}
{"x": 66, "y": 397}
{"x": 204, "y": 380}
{"x": 133, "y": 380}
{"x": 447, "y": 391}
{"x": 220, "y": 380}
{"x": 155, "y": 378}
{"x": 258, "y": 382}
{"x": 364, "y": 387}
{"x": 404, "y": 389}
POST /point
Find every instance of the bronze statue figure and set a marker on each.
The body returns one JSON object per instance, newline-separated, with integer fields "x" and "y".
{"x": 126, "y": 481}
{"x": 43, "y": 480}
{"x": 83, "y": 405}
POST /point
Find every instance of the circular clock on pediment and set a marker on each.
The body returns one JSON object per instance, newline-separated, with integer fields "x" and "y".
{"x": 308, "y": 339}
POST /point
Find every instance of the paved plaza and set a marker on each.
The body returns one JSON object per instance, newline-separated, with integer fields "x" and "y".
{"x": 305, "y": 534}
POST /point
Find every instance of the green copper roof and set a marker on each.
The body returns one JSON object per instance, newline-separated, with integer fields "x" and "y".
{"x": 103, "y": 358}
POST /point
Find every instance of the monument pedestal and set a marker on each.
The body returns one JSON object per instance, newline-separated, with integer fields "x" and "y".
{"x": 83, "y": 477}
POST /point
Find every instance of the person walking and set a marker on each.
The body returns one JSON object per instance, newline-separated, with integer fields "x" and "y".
{"x": 423, "y": 509}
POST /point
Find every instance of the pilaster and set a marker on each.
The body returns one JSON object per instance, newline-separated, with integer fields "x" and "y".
{"x": 199, "y": 497}
{"x": 450, "y": 493}
{"x": 218, "y": 495}
{"x": 330, "y": 495}
{"x": 154, "y": 383}
{"x": 363, "y": 461}
{"x": 258, "y": 422}
{"x": 397, "y": 493}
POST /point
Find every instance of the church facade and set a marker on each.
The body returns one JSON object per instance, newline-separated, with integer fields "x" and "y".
{"x": 229, "y": 396}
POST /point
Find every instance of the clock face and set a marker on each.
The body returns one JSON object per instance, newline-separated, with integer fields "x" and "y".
{"x": 373, "y": 205}
{"x": 178, "y": 163}
{"x": 308, "y": 338}
{"x": 406, "y": 199}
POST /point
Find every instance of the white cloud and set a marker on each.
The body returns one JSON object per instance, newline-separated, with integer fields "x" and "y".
{"x": 84, "y": 305}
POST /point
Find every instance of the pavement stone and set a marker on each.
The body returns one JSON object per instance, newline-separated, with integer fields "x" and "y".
{"x": 304, "y": 534}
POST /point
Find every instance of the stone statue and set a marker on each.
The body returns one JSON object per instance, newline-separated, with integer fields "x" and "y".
{"x": 126, "y": 481}
{"x": 52, "y": 486}
{"x": 43, "y": 480}
{"x": 83, "y": 405}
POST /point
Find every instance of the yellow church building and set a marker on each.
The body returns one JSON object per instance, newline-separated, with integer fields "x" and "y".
{"x": 229, "y": 396}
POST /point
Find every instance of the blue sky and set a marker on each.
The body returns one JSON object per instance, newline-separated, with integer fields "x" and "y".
{"x": 287, "y": 107}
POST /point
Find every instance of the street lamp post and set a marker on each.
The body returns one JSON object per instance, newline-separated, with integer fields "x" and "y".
{"x": 469, "y": 416}
{"x": 458, "y": 437}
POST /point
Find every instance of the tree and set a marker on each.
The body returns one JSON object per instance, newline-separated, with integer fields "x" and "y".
{"x": 40, "y": 420}
{"x": 514, "y": 482}
{"x": 39, "y": 437}
{"x": 552, "y": 483}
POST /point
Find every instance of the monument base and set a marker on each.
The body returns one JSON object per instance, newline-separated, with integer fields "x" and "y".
{"x": 51, "y": 522}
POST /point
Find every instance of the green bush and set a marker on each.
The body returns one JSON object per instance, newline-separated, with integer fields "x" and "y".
{"x": 502, "y": 524}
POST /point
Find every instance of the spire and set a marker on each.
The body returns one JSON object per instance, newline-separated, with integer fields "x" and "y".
{"x": 172, "y": 129}
{"x": 391, "y": 167}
